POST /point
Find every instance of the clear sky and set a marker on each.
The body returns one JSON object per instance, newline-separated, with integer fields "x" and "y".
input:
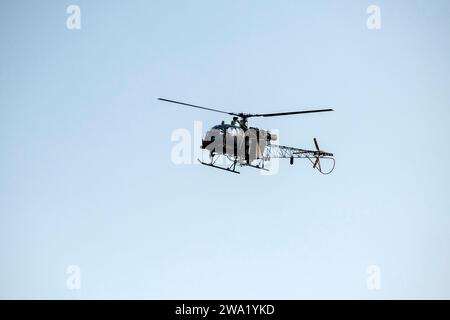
{"x": 86, "y": 176}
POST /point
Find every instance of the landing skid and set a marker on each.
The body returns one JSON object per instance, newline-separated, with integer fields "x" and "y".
{"x": 232, "y": 168}
{"x": 257, "y": 167}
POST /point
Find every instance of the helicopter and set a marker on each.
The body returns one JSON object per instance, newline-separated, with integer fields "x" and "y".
{"x": 247, "y": 146}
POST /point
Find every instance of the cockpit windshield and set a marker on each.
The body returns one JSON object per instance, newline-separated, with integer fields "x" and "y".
{"x": 226, "y": 127}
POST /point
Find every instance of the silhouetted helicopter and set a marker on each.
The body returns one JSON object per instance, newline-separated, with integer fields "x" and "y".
{"x": 247, "y": 146}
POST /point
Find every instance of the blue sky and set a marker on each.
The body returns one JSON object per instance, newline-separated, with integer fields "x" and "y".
{"x": 86, "y": 171}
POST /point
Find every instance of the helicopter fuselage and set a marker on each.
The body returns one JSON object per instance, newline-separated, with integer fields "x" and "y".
{"x": 241, "y": 144}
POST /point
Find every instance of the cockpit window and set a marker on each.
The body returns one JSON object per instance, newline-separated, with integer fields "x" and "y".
{"x": 219, "y": 128}
{"x": 232, "y": 131}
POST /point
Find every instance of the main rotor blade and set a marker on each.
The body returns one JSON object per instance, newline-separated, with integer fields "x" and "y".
{"x": 194, "y": 106}
{"x": 247, "y": 115}
{"x": 287, "y": 113}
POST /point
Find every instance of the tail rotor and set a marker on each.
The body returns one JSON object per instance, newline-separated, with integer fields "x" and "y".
{"x": 318, "y": 154}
